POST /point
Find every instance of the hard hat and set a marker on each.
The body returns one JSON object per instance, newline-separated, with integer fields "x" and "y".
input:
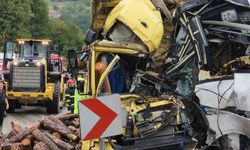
{"x": 71, "y": 81}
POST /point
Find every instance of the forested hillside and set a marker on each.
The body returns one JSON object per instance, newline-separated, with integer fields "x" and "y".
{"x": 63, "y": 0}
{"x": 74, "y": 11}
{"x": 30, "y": 19}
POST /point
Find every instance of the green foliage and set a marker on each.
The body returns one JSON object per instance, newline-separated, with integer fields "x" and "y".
{"x": 14, "y": 19}
{"x": 86, "y": 2}
{"x": 65, "y": 35}
{"x": 77, "y": 12}
{"x": 48, "y": 1}
{"x": 30, "y": 19}
{"x": 39, "y": 20}
{"x": 23, "y": 19}
{"x": 55, "y": 7}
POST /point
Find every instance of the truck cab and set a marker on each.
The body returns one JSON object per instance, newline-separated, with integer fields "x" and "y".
{"x": 123, "y": 37}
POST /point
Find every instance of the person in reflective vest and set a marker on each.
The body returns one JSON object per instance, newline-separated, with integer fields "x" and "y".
{"x": 70, "y": 94}
{"x": 79, "y": 93}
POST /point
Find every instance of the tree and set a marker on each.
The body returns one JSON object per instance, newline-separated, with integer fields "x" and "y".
{"x": 23, "y": 19}
{"x": 77, "y": 12}
{"x": 65, "y": 35}
{"x": 14, "y": 19}
{"x": 39, "y": 21}
{"x": 55, "y": 7}
{"x": 86, "y": 2}
{"x": 30, "y": 19}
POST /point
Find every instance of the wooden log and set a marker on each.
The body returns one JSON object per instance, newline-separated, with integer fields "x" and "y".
{"x": 73, "y": 129}
{"x": 26, "y": 142}
{"x": 72, "y": 136}
{"x": 22, "y": 134}
{"x": 2, "y": 138}
{"x": 62, "y": 114}
{"x": 18, "y": 133}
{"x": 67, "y": 117}
{"x": 41, "y": 137}
{"x": 59, "y": 142}
{"x": 67, "y": 122}
{"x": 11, "y": 134}
{"x": 56, "y": 125}
{"x": 40, "y": 146}
{"x": 56, "y": 134}
{"x": 78, "y": 132}
{"x": 32, "y": 139}
{"x": 62, "y": 129}
{"x": 78, "y": 146}
{"x": 17, "y": 128}
{"x": 12, "y": 146}
{"x": 58, "y": 122}
{"x": 76, "y": 122}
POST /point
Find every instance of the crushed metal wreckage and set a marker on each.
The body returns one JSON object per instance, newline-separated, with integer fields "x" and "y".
{"x": 157, "y": 51}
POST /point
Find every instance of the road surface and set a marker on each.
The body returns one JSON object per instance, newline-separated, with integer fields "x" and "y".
{"x": 25, "y": 116}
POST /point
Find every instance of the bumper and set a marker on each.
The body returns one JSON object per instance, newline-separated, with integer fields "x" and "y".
{"x": 33, "y": 96}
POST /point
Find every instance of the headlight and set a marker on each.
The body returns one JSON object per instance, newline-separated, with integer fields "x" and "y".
{"x": 38, "y": 64}
{"x": 50, "y": 87}
{"x": 45, "y": 42}
{"x": 21, "y": 42}
{"x": 15, "y": 63}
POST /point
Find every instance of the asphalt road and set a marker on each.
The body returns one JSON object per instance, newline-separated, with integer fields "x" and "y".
{"x": 25, "y": 116}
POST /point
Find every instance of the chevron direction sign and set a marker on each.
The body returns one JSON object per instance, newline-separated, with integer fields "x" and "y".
{"x": 100, "y": 117}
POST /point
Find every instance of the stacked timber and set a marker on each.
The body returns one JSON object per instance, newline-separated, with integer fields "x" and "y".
{"x": 58, "y": 132}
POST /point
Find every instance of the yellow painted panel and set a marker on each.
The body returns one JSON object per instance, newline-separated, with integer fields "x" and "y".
{"x": 142, "y": 18}
{"x": 47, "y": 95}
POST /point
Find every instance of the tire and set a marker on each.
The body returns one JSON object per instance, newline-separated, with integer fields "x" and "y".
{"x": 12, "y": 106}
{"x": 18, "y": 105}
{"x": 52, "y": 105}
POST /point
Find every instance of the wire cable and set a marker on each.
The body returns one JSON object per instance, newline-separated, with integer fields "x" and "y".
{"x": 219, "y": 100}
{"x": 200, "y": 89}
{"x": 220, "y": 97}
{"x": 218, "y": 111}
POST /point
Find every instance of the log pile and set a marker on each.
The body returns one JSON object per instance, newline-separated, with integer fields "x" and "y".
{"x": 59, "y": 132}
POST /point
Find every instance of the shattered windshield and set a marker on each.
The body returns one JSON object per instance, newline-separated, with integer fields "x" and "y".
{"x": 36, "y": 49}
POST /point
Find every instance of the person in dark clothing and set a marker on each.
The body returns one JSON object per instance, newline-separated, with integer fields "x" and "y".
{"x": 4, "y": 105}
{"x": 70, "y": 94}
{"x": 116, "y": 82}
{"x": 117, "y": 77}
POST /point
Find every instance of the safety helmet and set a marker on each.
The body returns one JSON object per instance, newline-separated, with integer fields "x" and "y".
{"x": 71, "y": 81}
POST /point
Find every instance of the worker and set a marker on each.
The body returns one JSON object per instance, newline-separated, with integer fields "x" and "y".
{"x": 70, "y": 94}
{"x": 79, "y": 93}
{"x": 100, "y": 68}
{"x": 66, "y": 77}
{"x": 115, "y": 81}
{"x": 4, "y": 105}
